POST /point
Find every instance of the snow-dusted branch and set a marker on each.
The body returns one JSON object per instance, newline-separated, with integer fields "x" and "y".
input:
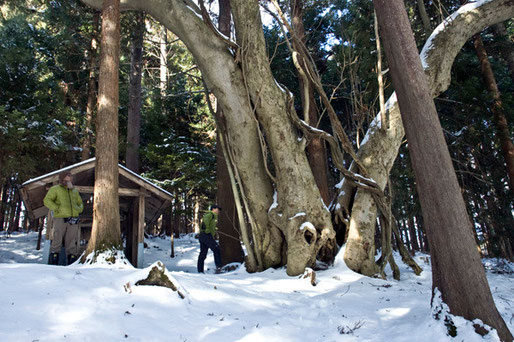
{"x": 448, "y": 38}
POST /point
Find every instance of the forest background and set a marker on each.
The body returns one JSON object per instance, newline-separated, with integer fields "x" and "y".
{"x": 168, "y": 129}
{"x": 49, "y": 65}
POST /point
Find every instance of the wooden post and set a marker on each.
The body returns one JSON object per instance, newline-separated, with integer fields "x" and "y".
{"x": 140, "y": 228}
{"x": 133, "y": 231}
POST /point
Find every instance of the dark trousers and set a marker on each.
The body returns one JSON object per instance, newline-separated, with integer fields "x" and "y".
{"x": 207, "y": 241}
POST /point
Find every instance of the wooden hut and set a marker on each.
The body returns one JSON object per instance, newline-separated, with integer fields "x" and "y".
{"x": 140, "y": 202}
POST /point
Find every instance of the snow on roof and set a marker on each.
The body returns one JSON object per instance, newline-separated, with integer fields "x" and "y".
{"x": 56, "y": 172}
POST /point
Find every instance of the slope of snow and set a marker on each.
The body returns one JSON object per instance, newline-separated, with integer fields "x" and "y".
{"x": 101, "y": 303}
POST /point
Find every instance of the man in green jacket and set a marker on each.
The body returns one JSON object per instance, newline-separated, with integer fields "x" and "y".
{"x": 206, "y": 238}
{"x": 65, "y": 202}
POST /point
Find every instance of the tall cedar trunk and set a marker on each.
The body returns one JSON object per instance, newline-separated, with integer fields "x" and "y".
{"x": 91, "y": 88}
{"x": 457, "y": 270}
{"x": 230, "y": 245}
{"x": 134, "y": 109}
{"x": 500, "y": 120}
{"x": 316, "y": 152}
{"x": 506, "y": 47}
{"x": 105, "y": 233}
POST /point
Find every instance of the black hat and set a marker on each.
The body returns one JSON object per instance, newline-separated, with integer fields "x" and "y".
{"x": 214, "y": 206}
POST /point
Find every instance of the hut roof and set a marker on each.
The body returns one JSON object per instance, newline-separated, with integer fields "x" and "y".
{"x": 130, "y": 185}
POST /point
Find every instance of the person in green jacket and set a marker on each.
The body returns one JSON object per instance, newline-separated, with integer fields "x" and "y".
{"x": 65, "y": 202}
{"x": 206, "y": 238}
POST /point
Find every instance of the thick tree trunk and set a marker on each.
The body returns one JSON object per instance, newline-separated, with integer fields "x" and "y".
{"x": 91, "y": 89}
{"x": 457, "y": 270}
{"x": 134, "y": 109}
{"x": 300, "y": 213}
{"x": 105, "y": 232}
{"x": 316, "y": 151}
{"x": 230, "y": 245}
{"x": 379, "y": 150}
{"x": 500, "y": 120}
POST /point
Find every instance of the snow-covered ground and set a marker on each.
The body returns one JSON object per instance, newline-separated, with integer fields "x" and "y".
{"x": 101, "y": 303}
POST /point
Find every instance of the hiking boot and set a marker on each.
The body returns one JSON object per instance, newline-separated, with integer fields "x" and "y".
{"x": 218, "y": 270}
{"x": 54, "y": 259}
{"x": 71, "y": 259}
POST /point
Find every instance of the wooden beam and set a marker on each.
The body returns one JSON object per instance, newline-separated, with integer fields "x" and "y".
{"x": 140, "y": 229}
{"x": 122, "y": 191}
{"x": 144, "y": 184}
{"x": 141, "y": 219}
{"x": 26, "y": 202}
{"x": 40, "y": 212}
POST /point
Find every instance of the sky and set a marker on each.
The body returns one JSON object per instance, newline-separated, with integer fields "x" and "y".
{"x": 101, "y": 302}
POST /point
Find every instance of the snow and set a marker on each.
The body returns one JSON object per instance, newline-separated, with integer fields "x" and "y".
{"x": 470, "y": 6}
{"x": 275, "y": 202}
{"x": 100, "y": 302}
{"x": 377, "y": 121}
{"x": 297, "y": 215}
{"x": 309, "y": 226}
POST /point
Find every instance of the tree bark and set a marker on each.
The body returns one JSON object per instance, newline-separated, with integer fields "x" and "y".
{"x": 499, "y": 118}
{"x": 457, "y": 270}
{"x": 316, "y": 151}
{"x": 300, "y": 213}
{"x": 230, "y": 245}
{"x": 105, "y": 234}
{"x": 134, "y": 109}
{"x": 91, "y": 89}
